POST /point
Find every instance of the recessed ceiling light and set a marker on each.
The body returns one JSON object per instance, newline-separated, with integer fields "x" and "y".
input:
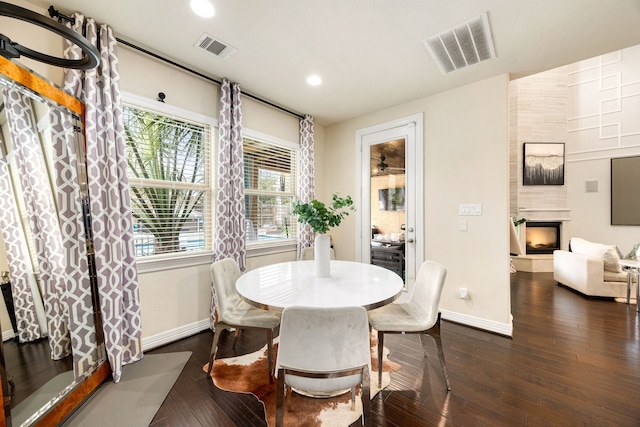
{"x": 314, "y": 80}
{"x": 202, "y": 8}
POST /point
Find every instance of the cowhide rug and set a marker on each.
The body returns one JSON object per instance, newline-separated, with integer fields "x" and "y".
{"x": 247, "y": 374}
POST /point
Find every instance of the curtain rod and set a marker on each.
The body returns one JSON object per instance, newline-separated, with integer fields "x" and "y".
{"x": 204, "y": 76}
{"x": 54, "y": 13}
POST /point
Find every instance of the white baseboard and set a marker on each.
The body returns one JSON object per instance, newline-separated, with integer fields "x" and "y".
{"x": 7, "y": 335}
{"x": 477, "y": 322}
{"x": 185, "y": 331}
{"x": 176, "y": 334}
{"x": 154, "y": 341}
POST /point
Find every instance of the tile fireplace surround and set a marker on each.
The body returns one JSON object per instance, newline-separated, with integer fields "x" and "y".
{"x": 540, "y": 263}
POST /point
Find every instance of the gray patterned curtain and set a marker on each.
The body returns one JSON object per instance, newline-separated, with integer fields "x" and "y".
{"x": 230, "y": 228}
{"x": 42, "y": 215}
{"x": 109, "y": 198}
{"x": 23, "y": 285}
{"x": 229, "y": 205}
{"x": 307, "y": 177}
{"x": 22, "y": 279}
{"x": 68, "y": 156}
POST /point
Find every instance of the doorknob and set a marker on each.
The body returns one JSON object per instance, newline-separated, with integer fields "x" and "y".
{"x": 410, "y": 230}
{"x": 410, "y": 240}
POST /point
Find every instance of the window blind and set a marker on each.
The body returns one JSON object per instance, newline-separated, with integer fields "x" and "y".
{"x": 169, "y": 170}
{"x": 270, "y": 189}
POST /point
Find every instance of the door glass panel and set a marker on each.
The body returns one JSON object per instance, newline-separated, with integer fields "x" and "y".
{"x": 388, "y": 202}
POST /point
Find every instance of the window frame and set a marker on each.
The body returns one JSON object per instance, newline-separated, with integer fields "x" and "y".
{"x": 187, "y": 258}
{"x": 255, "y": 249}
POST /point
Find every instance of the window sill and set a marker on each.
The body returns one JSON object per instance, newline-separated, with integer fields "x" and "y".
{"x": 261, "y": 249}
{"x": 172, "y": 261}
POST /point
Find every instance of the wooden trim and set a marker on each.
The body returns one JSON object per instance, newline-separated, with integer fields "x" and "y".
{"x": 75, "y": 398}
{"x": 40, "y": 85}
{"x": 3, "y": 418}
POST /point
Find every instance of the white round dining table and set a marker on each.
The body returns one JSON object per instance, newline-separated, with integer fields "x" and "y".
{"x": 295, "y": 284}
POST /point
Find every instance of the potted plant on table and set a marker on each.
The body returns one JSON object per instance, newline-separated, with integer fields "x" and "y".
{"x": 321, "y": 218}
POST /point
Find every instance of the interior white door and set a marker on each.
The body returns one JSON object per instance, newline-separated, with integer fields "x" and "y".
{"x": 390, "y": 217}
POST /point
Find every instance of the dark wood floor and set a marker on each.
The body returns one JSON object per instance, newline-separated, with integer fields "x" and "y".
{"x": 572, "y": 361}
{"x": 30, "y": 367}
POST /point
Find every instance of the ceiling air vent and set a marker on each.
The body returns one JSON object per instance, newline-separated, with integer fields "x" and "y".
{"x": 466, "y": 44}
{"x": 215, "y": 46}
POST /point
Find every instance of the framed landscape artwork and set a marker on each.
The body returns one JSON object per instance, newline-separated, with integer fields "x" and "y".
{"x": 543, "y": 163}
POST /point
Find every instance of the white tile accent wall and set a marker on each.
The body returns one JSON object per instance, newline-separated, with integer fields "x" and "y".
{"x": 538, "y": 113}
{"x": 604, "y": 100}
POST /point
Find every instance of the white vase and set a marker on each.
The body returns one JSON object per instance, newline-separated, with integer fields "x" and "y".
{"x": 322, "y": 256}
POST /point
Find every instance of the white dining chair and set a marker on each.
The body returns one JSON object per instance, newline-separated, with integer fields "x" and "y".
{"x": 233, "y": 312}
{"x": 323, "y": 350}
{"x": 418, "y": 315}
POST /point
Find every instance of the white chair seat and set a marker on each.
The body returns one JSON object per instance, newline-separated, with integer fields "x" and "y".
{"x": 251, "y": 316}
{"x": 419, "y": 315}
{"x": 308, "y": 254}
{"x": 396, "y": 318}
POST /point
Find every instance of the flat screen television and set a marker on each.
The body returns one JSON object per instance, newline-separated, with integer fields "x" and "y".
{"x": 391, "y": 199}
{"x": 625, "y": 201}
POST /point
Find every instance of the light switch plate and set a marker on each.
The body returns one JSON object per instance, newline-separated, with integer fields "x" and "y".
{"x": 470, "y": 209}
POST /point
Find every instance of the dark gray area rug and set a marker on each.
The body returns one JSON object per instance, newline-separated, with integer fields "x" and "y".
{"x": 135, "y": 400}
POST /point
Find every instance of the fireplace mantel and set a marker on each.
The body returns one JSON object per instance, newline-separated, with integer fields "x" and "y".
{"x": 545, "y": 214}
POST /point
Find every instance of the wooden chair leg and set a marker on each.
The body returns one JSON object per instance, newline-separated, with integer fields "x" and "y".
{"x": 280, "y": 397}
{"x": 380, "y": 348}
{"x": 366, "y": 398}
{"x": 270, "y": 354}
{"x": 288, "y": 397}
{"x": 236, "y": 334}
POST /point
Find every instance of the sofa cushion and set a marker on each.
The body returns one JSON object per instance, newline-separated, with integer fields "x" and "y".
{"x": 610, "y": 276}
{"x": 608, "y": 253}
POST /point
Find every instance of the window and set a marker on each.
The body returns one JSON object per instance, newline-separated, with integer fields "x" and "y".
{"x": 169, "y": 170}
{"x": 270, "y": 189}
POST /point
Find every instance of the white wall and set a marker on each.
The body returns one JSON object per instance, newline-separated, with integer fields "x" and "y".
{"x": 466, "y": 161}
{"x": 603, "y": 122}
{"x": 35, "y": 38}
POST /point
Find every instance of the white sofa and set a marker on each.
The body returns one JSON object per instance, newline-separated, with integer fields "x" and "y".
{"x": 590, "y": 268}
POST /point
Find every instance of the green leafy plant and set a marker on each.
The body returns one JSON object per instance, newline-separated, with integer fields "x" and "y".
{"x": 518, "y": 221}
{"x": 321, "y": 217}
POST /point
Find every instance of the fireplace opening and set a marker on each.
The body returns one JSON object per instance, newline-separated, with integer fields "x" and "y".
{"x": 542, "y": 237}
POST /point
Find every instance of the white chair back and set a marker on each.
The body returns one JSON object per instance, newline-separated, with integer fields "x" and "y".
{"x": 307, "y": 254}
{"x": 224, "y": 274}
{"x": 423, "y": 304}
{"x": 323, "y": 340}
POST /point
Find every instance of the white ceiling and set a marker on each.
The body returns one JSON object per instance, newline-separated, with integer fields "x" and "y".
{"x": 369, "y": 53}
